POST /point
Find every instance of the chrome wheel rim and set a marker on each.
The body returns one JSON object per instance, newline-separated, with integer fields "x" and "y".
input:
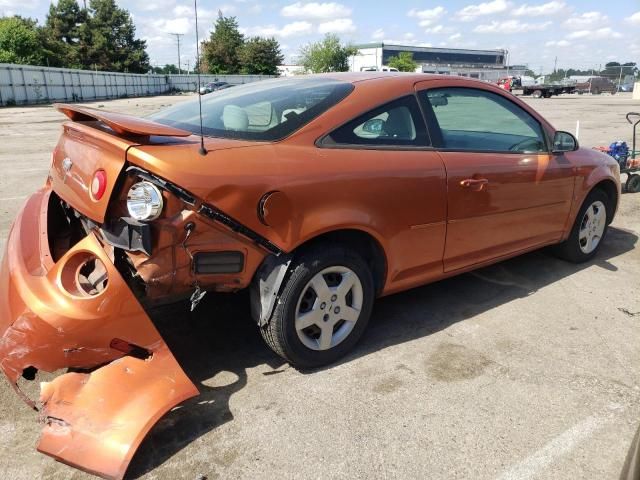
{"x": 328, "y": 308}
{"x": 592, "y": 227}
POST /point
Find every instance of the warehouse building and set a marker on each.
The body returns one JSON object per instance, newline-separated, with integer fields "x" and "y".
{"x": 487, "y": 65}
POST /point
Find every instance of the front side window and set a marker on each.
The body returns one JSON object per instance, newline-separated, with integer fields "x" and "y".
{"x": 398, "y": 123}
{"x": 477, "y": 120}
{"x": 265, "y": 110}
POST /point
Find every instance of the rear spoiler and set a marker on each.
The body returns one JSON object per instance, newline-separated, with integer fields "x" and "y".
{"x": 119, "y": 123}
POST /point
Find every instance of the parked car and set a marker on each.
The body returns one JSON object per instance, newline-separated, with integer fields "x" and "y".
{"x": 213, "y": 87}
{"x": 625, "y": 87}
{"x": 317, "y": 193}
{"x": 596, "y": 86}
{"x": 383, "y": 68}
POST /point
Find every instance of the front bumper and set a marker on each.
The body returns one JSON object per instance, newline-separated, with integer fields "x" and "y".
{"x": 93, "y": 421}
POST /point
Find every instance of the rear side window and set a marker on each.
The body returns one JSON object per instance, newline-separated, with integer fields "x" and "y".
{"x": 265, "y": 110}
{"x": 477, "y": 120}
{"x": 398, "y": 123}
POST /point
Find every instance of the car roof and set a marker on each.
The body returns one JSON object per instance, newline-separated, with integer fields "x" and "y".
{"x": 384, "y": 77}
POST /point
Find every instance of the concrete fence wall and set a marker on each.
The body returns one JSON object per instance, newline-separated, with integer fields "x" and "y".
{"x": 26, "y": 84}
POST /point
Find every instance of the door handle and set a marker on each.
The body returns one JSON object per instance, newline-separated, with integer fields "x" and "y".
{"x": 476, "y": 183}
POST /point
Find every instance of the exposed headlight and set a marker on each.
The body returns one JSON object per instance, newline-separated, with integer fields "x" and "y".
{"x": 144, "y": 201}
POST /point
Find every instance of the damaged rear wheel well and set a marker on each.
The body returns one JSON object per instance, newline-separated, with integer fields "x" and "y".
{"x": 360, "y": 243}
{"x": 268, "y": 280}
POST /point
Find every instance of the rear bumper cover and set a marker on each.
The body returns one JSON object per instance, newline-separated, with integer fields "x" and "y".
{"x": 93, "y": 421}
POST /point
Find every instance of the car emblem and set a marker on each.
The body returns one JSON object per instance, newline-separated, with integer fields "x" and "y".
{"x": 67, "y": 164}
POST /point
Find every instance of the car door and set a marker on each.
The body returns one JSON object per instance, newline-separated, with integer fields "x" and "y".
{"x": 385, "y": 166}
{"x": 506, "y": 192}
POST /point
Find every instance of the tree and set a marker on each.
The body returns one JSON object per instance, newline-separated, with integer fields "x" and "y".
{"x": 260, "y": 56}
{"x": 63, "y": 20}
{"x": 20, "y": 41}
{"x": 63, "y": 34}
{"x": 327, "y": 55}
{"x": 110, "y": 35}
{"x": 404, "y": 62}
{"x": 221, "y": 53}
{"x": 170, "y": 69}
{"x": 616, "y": 70}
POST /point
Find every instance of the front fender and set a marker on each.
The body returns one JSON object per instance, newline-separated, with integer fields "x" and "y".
{"x": 592, "y": 168}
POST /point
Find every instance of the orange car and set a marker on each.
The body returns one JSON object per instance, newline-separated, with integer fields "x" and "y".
{"x": 319, "y": 193}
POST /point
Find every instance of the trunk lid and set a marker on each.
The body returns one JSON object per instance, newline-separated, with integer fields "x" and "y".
{"x": 81, "y": 151}
{"x": 95, "y": 140}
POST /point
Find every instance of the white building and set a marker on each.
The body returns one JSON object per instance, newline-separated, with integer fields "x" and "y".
{"x": 489, "y": 65}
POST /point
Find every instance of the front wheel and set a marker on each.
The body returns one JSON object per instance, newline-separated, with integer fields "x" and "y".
{"x": 589, "y": 229}
{"x": 323, "y": 309}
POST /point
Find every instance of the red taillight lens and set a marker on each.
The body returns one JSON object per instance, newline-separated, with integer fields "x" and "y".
{"x": 98, "y": 184}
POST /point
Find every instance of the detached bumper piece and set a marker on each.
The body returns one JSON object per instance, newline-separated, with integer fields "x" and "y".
{"x": 79, "y": 313}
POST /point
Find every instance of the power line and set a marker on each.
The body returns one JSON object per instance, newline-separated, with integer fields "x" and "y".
{"x": 178, "y": 35}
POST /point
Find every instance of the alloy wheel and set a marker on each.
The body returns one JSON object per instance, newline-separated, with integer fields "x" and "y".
{"x": 328, "y": 308}
{"x": 592, "y": 227}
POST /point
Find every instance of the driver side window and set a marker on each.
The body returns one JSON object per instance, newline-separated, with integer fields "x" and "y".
{"x": 477, "y": 120}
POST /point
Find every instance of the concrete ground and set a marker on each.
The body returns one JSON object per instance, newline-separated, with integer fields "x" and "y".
{"x": 526, "y": 369}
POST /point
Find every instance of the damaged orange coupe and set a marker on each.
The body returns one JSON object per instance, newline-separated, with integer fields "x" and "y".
{"x": 318, "y": 193}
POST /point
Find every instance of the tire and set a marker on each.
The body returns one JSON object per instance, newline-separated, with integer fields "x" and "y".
{"x": 315, "y": 269}
{"x": 536, "y": 94}
{"x": 633, "y": 184}
{"x": 592, "y": 220}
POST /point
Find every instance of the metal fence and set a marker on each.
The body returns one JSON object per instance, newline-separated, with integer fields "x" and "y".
{"x": 26, "y": 84}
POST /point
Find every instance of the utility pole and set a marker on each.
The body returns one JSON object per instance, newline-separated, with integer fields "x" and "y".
{"x": 555, "y": 65}
{"x": 178, "y": 35}
{"x": 620, "y": 77}
{"x": 506, "y": 55}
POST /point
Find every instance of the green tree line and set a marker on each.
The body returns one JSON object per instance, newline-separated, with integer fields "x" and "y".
{"x": 228, "y": 51}
{"x": 611, "y": 71}
{"x": 101, "y": 36}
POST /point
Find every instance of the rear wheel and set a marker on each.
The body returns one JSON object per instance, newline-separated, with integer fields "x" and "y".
{"x": 589, "y": 229}
{"x": 324, "y": 308}
{"x": 537, "y": 94}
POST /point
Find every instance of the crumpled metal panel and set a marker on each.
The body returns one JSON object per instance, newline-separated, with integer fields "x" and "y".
{"x": 93, "y": 421}
{"x": 97, "y": 421}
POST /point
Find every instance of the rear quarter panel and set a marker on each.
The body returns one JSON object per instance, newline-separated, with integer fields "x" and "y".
{"x": 398, "y": 197}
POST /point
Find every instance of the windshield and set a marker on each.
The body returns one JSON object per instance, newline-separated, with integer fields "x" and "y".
{"x": 264, "y": 110}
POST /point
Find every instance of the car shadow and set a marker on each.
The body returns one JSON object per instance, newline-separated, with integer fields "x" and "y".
{"x": 221, "y": 337}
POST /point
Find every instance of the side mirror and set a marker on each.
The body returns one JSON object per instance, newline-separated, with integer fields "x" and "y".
{"x": 375, "y": 126}
{"x": 564, "y": 142}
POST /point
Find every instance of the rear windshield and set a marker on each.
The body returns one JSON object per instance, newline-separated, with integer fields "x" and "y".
{"x": 264, "y": 110}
